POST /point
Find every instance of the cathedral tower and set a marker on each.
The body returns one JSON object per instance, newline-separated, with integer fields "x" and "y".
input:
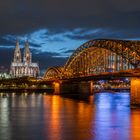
{"x": 17, "y": 53}
{"x": 27, "y": 58}
{"x": 26, "y": 67}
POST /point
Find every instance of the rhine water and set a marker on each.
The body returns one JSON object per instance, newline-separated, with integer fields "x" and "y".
{"x": 105, "y": 116}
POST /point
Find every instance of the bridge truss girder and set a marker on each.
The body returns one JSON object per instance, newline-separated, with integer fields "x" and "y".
{"x": 53, "y": 73}
{"x": 92, "y": 55}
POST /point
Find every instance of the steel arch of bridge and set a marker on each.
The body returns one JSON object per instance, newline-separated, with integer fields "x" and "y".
{"x": 53, "y": 73}
{"x": 129, "y": 50}
{"x": 126, "y": 50}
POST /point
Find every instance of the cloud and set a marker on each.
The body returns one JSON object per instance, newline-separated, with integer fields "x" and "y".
{"x": 24, "y": 17}
{"x": 57, "y": 27}
{"x": 69, "y": 51}
{"x": 45, "y": 59}
{"x": 5, "y": 42}
{"x": 6, "y": 55}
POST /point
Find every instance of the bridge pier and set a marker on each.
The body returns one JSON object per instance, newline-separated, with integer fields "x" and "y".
{"x": 135, "y": 90}
{"x": 91, "y": 87}
{"x": 82, "y": 89}
{"x": 56, "y": 86}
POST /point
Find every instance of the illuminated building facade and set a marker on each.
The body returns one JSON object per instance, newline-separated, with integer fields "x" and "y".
{"x": 21, "y": 68}
{"x": 4, "y": 73}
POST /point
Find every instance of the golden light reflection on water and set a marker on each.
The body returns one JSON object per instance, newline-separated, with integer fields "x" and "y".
{"x": 104, "y": 117}
{"x": 135, "y": 125}
{"x": 4, "y": 119}
{"x": 68, "y": 118}
{"x": 51, "y": 117}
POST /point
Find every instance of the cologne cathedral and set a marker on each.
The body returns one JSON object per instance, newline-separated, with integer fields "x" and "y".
{"x": 25, "y": 67}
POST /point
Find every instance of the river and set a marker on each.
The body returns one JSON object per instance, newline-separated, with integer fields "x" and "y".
{"x": 104, "y": 116}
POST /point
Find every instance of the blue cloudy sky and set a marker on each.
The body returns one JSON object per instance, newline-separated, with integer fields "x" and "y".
{"x": 56, "y": 28}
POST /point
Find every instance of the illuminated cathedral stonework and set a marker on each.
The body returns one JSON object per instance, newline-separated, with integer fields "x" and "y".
{"x": 21, "y": 68}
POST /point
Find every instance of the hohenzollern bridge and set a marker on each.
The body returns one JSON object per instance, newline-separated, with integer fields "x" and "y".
{"x": 96, "y": 60}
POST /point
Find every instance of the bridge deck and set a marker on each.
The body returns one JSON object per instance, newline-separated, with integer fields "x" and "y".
{"x": 106, "y": 75}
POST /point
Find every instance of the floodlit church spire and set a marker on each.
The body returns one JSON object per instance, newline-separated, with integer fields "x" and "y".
{"x": 26, "y": 67}
{"x": 17, "y": 53}
{"x": 27, "y": 54}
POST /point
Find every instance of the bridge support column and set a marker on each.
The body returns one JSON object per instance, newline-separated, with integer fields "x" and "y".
{"x": 56, "y": 87}
{"x": 91, "y": 87}
{"x": 135, "y": 90}
{"x": 76, "y": 89}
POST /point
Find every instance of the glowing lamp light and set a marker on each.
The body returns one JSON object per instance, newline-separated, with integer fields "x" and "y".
{"x": 56, "y": 87}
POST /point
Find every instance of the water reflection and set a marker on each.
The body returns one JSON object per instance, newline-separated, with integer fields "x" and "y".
{"x": 135, "y": 124}
{"x": 112, "y": 116}
{"x": 46, "y": 117}
{"x": 5, "y": 132}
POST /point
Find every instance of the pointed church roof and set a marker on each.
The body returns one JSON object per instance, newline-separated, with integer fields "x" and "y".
{"x": 26, "y": 50}
{"x": 17, "y": 46}
{"x": 17, "y": 52}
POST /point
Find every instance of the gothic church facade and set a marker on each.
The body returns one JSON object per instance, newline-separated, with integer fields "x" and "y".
{"x": 25, "y": 67}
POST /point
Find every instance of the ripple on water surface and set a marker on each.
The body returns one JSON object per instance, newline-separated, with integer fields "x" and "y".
{"x": 105, "y": 116}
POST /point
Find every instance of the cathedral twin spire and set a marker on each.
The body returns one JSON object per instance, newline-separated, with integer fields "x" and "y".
{"x": 27, "y": 54}
{"x": 17, "y": 53}
{"x": 23, "y": 67}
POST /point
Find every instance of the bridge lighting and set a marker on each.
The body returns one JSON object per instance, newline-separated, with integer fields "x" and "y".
{"x": 56, "y": 87}
{"x": 100, "y": 57}
{"x": 127, "y": 79}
